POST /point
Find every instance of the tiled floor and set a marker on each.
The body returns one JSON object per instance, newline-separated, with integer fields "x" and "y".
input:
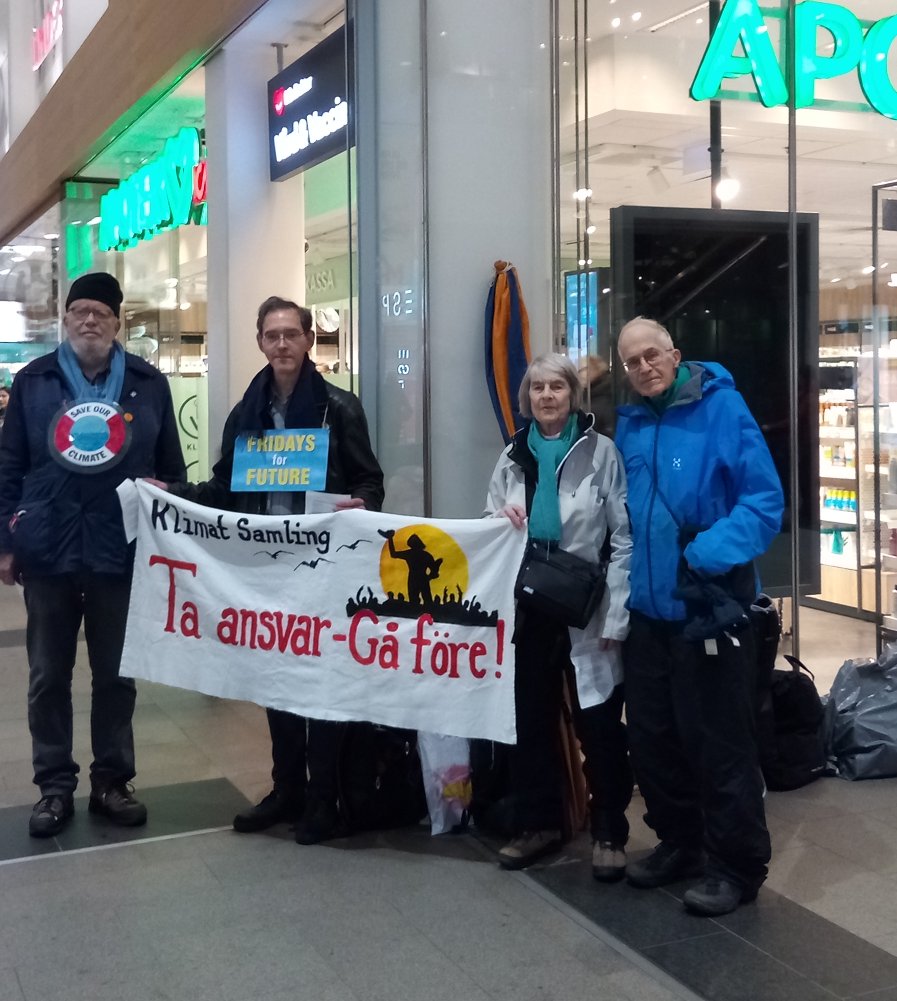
{"x": 186, "y": 909}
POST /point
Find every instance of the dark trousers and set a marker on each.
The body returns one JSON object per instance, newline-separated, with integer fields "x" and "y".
{"x": 691, "y": 735}
{"x": 56, "y": 606}
{"x": 306, "y": 755}
{"x": 542, "y": 658}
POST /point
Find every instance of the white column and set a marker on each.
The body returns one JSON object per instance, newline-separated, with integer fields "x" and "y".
{"x": 256, "y": 232}
{"x": 79, "y": 19}
{"x": 22, "y": 83}
{"x": 488, "y": 159}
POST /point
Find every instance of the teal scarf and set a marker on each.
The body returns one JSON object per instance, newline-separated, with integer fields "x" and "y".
{"x": 106, "y": 388}
{"x": 545, "y": 516}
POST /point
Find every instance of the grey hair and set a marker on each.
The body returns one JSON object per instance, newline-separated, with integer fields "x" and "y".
{"x": 658, "y": 329}
{"x": 550, "y": 365}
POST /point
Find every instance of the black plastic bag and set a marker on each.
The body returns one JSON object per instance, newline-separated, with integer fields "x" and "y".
{"x": 861, "y": 717}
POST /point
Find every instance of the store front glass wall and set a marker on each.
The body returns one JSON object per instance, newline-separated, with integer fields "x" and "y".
{"x": 714, "y": 265}
{"x": 29, "y": 295}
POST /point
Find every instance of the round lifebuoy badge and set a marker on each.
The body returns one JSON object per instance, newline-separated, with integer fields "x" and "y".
{"x": 89, "y": 437}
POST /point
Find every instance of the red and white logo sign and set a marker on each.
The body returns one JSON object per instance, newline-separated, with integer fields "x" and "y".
{"x": 89, "y": 437}
{"x": 279, "y": 104}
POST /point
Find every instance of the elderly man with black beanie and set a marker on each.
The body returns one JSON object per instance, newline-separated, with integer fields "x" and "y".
{"x": 80, "y": 421}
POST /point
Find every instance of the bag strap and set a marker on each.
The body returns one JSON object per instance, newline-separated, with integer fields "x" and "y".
{"x": 798, "y": 665}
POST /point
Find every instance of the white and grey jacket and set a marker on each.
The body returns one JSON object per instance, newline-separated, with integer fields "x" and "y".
{"x": 592, "y": 495}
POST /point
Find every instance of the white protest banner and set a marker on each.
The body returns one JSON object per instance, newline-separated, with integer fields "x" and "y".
{"x": 344, "y": 616}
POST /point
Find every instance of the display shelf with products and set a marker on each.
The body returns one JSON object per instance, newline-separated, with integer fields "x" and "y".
{"x": 877, "y": 463}
{"x": 839, "y": 486}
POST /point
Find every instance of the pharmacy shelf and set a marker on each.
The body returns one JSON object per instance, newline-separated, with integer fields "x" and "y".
{"x": 833, "y": 516}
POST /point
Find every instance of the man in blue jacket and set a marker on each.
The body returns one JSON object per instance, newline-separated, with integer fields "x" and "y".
{"x": 79, "y": 422}
{"x": 705, "y": 501}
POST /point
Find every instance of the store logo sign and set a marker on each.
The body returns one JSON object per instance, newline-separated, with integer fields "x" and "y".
{"x": 167, "y": 192}
{"x": 309, "y": 118}
{"x": 284, "y": 96}
{"x": 741, "y": 46}
{"x": 46, "y": 35}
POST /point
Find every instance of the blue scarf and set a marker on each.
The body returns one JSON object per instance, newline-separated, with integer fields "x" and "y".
{"x": 107, "y": 386}
{"x": 545, "y": 514}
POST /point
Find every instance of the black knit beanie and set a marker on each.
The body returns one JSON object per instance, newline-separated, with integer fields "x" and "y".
{"x": 99, "y": 287}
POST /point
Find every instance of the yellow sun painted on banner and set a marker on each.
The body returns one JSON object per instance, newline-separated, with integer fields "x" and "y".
{"x": 423, "y": 558}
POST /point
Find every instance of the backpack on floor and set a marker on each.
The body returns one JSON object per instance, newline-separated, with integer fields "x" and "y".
{"x": 796, "y": 755}
{"x": 379, "y": 778}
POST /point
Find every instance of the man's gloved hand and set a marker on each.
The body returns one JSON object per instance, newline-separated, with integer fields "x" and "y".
{"x": 710, "y": 609}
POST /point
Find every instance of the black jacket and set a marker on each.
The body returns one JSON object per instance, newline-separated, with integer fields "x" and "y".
{"x": 352, "y": 467}
{"x": 72, "y": 520}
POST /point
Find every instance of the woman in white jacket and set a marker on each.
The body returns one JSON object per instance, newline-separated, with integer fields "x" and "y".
{"x": 565, "y": 484}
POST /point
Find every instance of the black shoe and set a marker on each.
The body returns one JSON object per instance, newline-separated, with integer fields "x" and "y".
{"x": 666, "y": 864}
{"x": 275, "y": 808}
{"x": 714, "y": 896}
{"x": 50, "y": 815}
{"x": 320, "y": 822}
{"x": 115, "y": 801}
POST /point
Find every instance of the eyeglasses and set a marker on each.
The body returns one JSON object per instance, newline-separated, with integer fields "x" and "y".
{"x": 651, "y": 358}
{"x": 272, "y": 337}
{"x": 81, "y": 313}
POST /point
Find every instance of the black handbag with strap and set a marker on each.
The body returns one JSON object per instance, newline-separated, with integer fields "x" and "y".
{"x": 561, "y": 585}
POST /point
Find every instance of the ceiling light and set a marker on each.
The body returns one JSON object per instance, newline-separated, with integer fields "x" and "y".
{"x": 637, "y": 16}
{"x": 677, "y": 17}
{"x": 18, "y": 259}
{"x": 727, "y": 187}
{"x": 51, "y": 236}
{"x": 170, "y": 283}
{"x": 866, "y": 271}
{"x": 5, "y": 271}
{"x": 833, "y": 280}
{"x": 590, "y": 230}
{"x": 615, "y": 23}
{"x": 95, "y": 221}
{"x": 604, "y": 291}
{"x": 582, "y": 194}
{"x": 891, "y": 284}
{"x": 185, "y": 305}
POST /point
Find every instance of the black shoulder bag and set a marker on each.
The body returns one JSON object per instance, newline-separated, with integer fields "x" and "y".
{"x": 561, "y": 585}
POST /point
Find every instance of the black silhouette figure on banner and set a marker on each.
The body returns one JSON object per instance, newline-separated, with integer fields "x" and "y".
{"x": 422, "y": 567}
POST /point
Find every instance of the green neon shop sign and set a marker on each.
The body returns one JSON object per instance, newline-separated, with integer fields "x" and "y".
{"x": 167, "y": 192}
{"x": 741, "y": 46}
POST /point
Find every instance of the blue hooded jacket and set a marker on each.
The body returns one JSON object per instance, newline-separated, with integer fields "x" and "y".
{"x": 704, "y": 461}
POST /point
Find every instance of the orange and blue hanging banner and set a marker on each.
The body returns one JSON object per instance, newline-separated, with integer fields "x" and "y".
{"x": 507, "y": 346}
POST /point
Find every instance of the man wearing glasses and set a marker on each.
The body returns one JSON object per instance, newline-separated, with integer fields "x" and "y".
{"x": 79, "y": 422}
{"x": 705, "y": 501}
{"x": 290, "y": 393}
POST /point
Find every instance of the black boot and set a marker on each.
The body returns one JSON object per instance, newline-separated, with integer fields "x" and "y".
{"x": 277, "y": 807}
